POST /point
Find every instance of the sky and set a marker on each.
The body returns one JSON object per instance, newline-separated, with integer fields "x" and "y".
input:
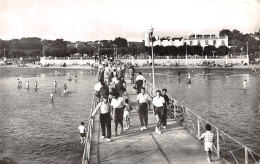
{"x": 89, "y": 20}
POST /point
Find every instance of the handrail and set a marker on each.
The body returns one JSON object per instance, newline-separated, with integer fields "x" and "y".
{"x": 223, "y": 142}
{"x": 87, "y": 146}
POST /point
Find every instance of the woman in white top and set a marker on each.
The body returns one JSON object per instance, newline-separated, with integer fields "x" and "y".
{"x": 158, "y": 102}
{"x": 118, "y": 104}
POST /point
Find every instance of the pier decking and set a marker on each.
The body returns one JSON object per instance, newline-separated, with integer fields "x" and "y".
{"x": 175, "y": 145}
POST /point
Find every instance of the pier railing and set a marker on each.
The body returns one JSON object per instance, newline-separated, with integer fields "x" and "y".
{"x": 226, "y": 147}
{"x": 87, "y": 146}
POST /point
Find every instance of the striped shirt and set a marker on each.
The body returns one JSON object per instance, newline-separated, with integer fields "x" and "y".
{"x": 208, "y": 136}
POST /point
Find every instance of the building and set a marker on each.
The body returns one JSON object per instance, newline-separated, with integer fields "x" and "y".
{"x": 203, "y": 40}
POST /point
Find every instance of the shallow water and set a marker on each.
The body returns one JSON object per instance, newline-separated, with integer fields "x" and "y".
{"x": 218, "y": 97}
{"x": 34, "y": 129}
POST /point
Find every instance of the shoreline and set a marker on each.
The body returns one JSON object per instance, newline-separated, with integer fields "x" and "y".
{"x": 201, "y": 67}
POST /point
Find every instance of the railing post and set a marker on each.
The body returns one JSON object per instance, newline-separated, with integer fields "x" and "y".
{"x": 246, "y": 156}
{"x": 218, "y": 150}
{"x": 198, "y": 119}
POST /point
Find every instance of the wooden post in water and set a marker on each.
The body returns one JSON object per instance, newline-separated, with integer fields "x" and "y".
{"x": 218, "y": 150}
{"x": 246, "y": 156}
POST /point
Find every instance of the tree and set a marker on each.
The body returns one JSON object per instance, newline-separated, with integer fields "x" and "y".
{"x": 209, "y": 50}
{"x": 120, "y": 42}
{"x": 226, "y": 32}
{"x": 223, "y": 50}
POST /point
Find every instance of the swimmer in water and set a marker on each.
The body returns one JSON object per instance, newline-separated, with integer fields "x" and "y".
{"x": 36, "y": 84}
{"x": 69, "y": 79}
{"x": 51, "y": 96}
{"x": 18, "y": 83}
{"x": 65, "y": 88}
{"x": 188, "y": 80}
{"x": 27, "y": 84}
{"x": 244, "y": 83}
{"x": 75, "y": 75}
{"x": 55, "y": 84}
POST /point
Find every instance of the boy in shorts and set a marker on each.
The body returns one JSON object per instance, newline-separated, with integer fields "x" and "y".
{"x": 82, "y": 133}
{"x": 208, "y": 137}
{"x": 127, "y": 110}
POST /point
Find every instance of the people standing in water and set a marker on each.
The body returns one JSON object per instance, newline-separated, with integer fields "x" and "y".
{"x": 179, "y": 74}
{"x": 36, "y": 85}
{"x": 188, "y": 80}
{"x": 51, "y": 96}
{"x": 55, "y": 84}
{"x": 245, "y": 83}
{"x": 65, "y": 88}
{"x": 27, "y": 84}
{"x": 19, "y": 84}
{"x": 75, "y": 75}
{"x": 82, "y": 133}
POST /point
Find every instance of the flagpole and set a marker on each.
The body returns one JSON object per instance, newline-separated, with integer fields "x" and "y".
{"x": 151, "y": 38}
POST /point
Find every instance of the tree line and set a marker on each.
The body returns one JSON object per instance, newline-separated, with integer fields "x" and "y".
{"x": 33, "y": 47}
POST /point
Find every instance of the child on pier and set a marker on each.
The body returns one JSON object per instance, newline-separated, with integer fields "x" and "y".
{"x": 208, "y": 137}
{"x": 127, "y": 110}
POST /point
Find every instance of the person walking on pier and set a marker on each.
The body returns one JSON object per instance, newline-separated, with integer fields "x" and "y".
{"x": 165, "y": 107}
{"x": 82, "y": 133}
{"x": 118, "y": 110}
{"x": 105, "y": 118}
{"x": 143, "y": 101}
{"x": 101, "y": 74}
{"x": 127, "y": 111}
{"x": 104, "y": 90}
{"x": 208, "y": 137}
{"x": 132, "y": 74}
{"x": 139, "y": 82}
{"x": 97, "y": 88}
{"x": 158, "y": 102}
{"x": 119, "y": 87}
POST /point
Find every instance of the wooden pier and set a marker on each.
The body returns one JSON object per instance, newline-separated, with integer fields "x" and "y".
{"x": 175, "y": 145}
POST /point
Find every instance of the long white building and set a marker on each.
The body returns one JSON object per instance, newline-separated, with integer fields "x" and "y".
{"x": 203, "y": 40}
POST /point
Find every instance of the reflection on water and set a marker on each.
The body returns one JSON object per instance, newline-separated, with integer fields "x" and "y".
{"x": 218, "y": 97}
{"x": 34, "y": 129}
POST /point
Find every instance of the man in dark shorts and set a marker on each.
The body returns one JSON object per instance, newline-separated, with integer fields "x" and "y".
{"x": 158, "y": 102}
